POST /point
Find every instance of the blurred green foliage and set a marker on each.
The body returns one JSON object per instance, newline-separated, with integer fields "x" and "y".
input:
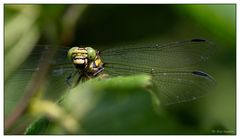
{"x": 90, "y": 94}
{"x": 117, "y": 111}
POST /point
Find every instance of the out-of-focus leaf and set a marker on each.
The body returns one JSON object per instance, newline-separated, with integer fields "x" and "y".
{"x": 80, "y": 100}
{"x": 213, "y": 18}
{"x": 21, "y": 33}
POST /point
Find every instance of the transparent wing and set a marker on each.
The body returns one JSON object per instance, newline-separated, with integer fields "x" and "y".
{"x": 176, "y": 87}
{"x": 166, "y": 56}
{"x": 33, "y": 59}
{"x": 172, "y": 86}
{"x": 60, "y": 69}
{"x": 59, "y": 63}
{"x": 171, "y": 66}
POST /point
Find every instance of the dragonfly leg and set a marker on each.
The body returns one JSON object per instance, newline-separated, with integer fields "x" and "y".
{"x": 98, "y": 71}
{"x": 80, "y": 78}
{"x": 70, "y": 76}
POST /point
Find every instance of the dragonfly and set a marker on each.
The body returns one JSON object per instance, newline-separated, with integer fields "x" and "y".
{"x": 173, "y": 66}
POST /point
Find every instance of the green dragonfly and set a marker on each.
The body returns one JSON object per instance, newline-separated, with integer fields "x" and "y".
{"x": 173, "y": 66}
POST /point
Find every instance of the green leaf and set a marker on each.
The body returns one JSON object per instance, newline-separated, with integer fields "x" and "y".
{"x": 82, "y": 99}
{"x": 38, "y": 126}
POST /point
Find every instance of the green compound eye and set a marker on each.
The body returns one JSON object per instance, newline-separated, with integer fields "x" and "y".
{"x": 70, "y": 52}
{"x": 91, "y": 53}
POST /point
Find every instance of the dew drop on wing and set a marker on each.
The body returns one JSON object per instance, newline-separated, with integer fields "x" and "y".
{"x": 152, "y": 70}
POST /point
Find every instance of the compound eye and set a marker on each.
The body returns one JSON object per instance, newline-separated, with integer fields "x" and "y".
{"x": 91, "y": 53}
{"x": 70, "y": 52}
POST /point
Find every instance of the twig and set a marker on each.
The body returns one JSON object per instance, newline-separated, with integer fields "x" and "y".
{"x": 31, "y": 90}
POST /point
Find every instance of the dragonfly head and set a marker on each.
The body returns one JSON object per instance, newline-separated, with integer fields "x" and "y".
{"x": 81, "y": 56}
